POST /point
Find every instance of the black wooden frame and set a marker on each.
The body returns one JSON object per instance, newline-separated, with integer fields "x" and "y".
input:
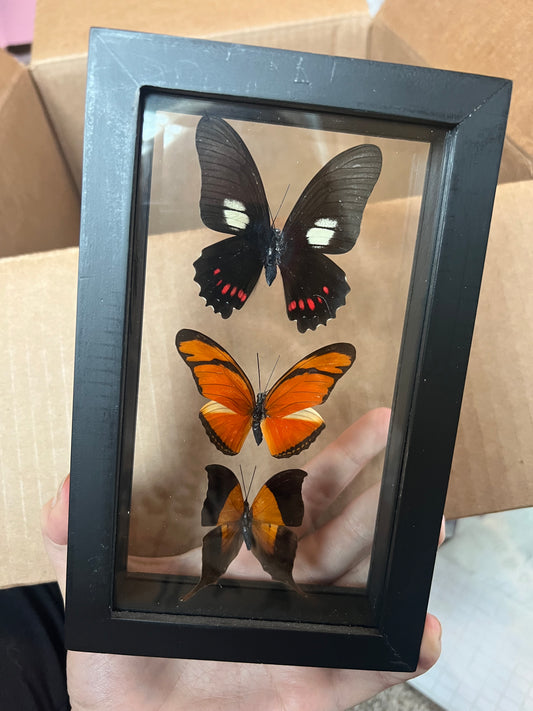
{"x": 463, "y": 117}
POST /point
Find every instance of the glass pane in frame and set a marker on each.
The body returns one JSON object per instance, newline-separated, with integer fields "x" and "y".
{"x": 161, "y": 528}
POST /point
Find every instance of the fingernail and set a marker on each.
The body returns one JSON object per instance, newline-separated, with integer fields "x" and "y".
{"x": 59, "y": 492}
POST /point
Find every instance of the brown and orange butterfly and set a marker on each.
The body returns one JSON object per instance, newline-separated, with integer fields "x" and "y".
{"x": 282, "y": 415}
{"x": 262, "y": 526}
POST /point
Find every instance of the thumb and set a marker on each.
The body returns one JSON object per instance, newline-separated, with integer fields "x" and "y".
{"x": 54, "y": 526}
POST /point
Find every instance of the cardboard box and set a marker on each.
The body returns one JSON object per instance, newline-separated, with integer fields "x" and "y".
{"x": 39, "y": 211}
{"x": 468, "y": 36}
{"x": 39, "y": 204}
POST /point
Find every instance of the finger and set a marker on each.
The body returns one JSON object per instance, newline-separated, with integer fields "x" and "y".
{"x": 442, "y": 534}
{"x": 333, "y": 469}
{"x": 431, "y": 645}
{"x": 54, "y": 526}
{"x": 341, "y": 544}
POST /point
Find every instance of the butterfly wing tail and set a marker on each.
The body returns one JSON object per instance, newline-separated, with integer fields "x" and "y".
{"x": 278, "y": 504}
{"x": 219, "y": 548}
{"x": 275, "y": 548}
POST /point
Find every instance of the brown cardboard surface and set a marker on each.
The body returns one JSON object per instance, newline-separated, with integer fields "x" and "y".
{"x": 493, "y": 461}
{"x": 38, "y": 297}
{"x": 61, "y": 28}
{"x": 472, "y": 36}
{"x": 39, "y": 206}
{"x": 59, "y": 59}
{"x": 468, "y": 36}
{"x": 494, "y": 453}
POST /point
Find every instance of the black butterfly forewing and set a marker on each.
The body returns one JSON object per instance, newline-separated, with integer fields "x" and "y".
{"x": 224, "y": 500}
{"x": 232, "y": 201}
{"x": 328, "y": 214}
{"x": 326, "y": 220}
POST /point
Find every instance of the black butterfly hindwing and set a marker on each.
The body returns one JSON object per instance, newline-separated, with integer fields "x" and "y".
{"x": 227, "y": 272}
{"x": 314, "y": 286}
{"x": 325, "y": 220}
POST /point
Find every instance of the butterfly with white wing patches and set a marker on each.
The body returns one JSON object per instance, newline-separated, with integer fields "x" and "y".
{"x": 325, "y": 220}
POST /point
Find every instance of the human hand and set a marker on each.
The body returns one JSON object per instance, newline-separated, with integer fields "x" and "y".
{"x": 103, "y": 681}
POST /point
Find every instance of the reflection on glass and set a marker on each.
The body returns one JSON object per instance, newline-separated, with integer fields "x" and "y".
{"x": 273, "y": 368}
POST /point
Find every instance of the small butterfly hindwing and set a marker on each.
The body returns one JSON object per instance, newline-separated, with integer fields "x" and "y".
{"x": 283, "y": 415}
{"x": 325, "y": 220}
{"x": 261, "y": 526}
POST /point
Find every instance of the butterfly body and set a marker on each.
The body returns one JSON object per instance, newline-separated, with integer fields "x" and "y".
{"x": 274, "y": 254}
{"x": 258, "y": 415}
{"x": 283, "y": 415}
{"x": 246, "y": 526}
{"x": 325, "y": 220}
{"x": 263, "y": 526}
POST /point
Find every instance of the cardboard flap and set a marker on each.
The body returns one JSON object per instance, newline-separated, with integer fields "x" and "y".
{"x": 59, "y": 57}
{"x": 467, "y": 36}
{"x": 493, "y": 459}
{"x": 62, "y": 28}
{"x": 39, "y": 205}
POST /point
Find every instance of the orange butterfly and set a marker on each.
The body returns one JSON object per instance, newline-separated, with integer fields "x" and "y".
{"x": 262, "y": 526}
{"x": 282, "y": 415}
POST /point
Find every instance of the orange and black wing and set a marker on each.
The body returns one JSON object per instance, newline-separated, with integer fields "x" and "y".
{"x": 223, "y": 507}
{"x": 291, "y": 424}
{"x": 277, "y": 505}
{"x": 227, "y": 417}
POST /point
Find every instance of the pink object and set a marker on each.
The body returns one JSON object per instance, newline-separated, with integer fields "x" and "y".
{"x": 16, "y": 22}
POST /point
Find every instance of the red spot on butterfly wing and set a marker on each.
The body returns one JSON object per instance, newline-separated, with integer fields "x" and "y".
{"x": 311, "y": 304}
{"x": 217, "y": 271}
{"x": 243, "y": 297}
{"x": 226, "y": 288}
{"x": 219, "y": 282}
{"x": 292, "y": 305}
{"x": 325, "y": 290}
{"x": 233, "y": 291}
{"x": 301, "y": 304}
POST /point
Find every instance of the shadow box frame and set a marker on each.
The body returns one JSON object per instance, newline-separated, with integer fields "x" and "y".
{"x": 463, "y": 117}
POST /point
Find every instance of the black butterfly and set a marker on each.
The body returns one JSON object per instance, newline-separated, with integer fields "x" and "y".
{"x": 326, "y": 219}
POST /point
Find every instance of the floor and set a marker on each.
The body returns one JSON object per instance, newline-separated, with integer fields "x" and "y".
{"x": 399, "y": 698}
{"x": 483, "y": 594}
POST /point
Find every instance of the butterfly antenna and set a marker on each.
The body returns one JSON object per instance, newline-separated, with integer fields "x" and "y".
{"x": 280, "y": 206}
{"x": 243, "y": 484}
{"x": 258, "y": 373}
{"x": 271, "y": 374}
{"x": 251, "y": 481}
